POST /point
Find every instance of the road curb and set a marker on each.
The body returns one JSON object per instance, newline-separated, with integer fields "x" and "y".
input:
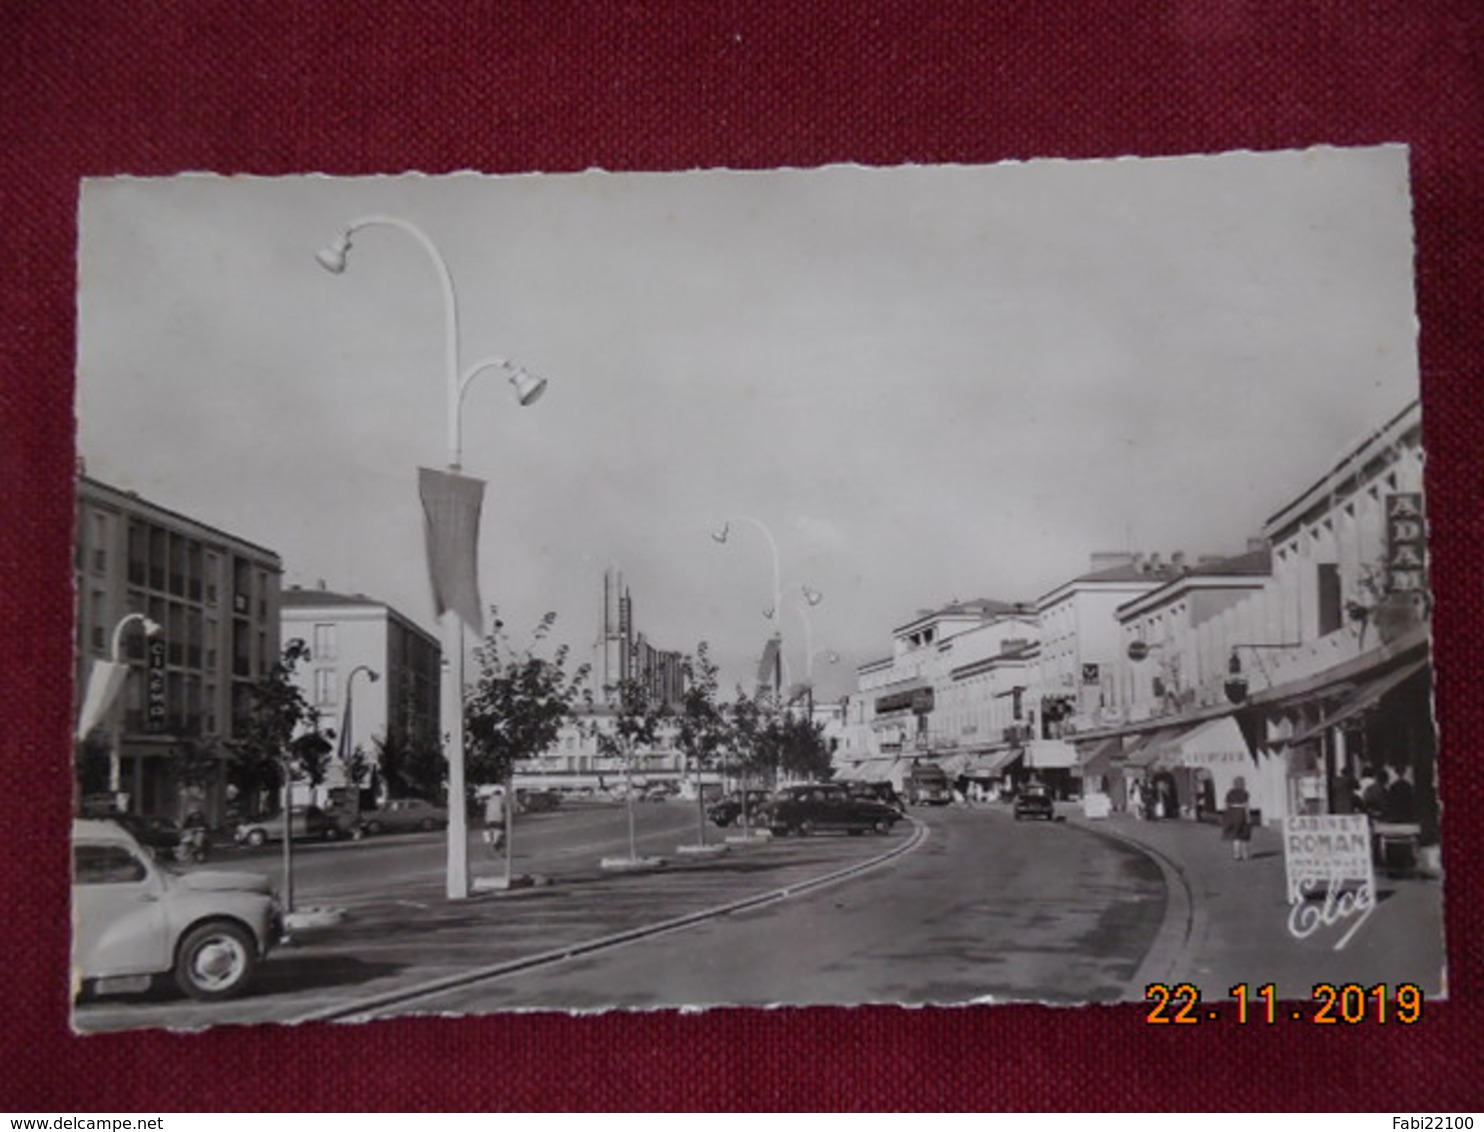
{"x": 367, "y": 1007}
{"x": 1184, "y": 919}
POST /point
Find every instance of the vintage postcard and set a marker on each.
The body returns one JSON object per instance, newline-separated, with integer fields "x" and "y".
{"x": 921, "y": 585}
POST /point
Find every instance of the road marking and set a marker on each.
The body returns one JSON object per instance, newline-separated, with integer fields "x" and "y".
{"x": 370, "y": 1007}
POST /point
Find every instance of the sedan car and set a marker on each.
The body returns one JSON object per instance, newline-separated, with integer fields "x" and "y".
{"x": 134, "y": 920}
{"x": 1034, "y": 802}
{"x": 728, "y": 811}
{"x": 308, "y": 822}
{"x": 823, "y": 806}
{"x": 402, "y": 814}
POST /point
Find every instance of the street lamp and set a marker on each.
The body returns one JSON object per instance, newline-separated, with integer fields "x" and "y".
{"x": 528, "y": 389}
{"x": 347, "y": 747}
{"x": 151, "y": 628}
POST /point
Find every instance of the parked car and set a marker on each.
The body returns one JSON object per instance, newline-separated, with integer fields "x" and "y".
{"x": 1034, "y": 802}
{"x": 308, "y": 822}
{"x": 536, "y": 801}
{"x": 133, "y": 919}
{"x": 882, "y": 792}
{"x": 402, "y": 814}
{"x": 728, "y": 811}
{"x": 824, "y": 806}
{"x": 160, "y": 834}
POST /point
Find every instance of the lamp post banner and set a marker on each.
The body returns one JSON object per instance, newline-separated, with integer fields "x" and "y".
{"x": 451, "y": 505}
{"x": 104, "y": 684}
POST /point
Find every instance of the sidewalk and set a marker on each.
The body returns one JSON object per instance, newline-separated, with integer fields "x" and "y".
{"x": 1228, "y": 922}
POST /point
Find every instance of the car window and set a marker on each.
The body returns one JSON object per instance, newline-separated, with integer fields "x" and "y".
{"x": 106, "y": 864}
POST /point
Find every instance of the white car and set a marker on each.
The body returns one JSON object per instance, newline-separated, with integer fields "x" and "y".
{"x": 132, "y": 919}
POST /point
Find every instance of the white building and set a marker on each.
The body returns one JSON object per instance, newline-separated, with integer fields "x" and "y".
{"x": 372, "y": 675}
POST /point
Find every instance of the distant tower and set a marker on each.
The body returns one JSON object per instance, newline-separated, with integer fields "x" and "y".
{"x": 616, "y": 644}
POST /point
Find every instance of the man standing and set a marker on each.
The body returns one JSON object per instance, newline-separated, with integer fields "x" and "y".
{"x": 494, "y": 819}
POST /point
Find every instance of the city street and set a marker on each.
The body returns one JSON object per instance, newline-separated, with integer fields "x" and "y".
{"x": 963, "y": 905}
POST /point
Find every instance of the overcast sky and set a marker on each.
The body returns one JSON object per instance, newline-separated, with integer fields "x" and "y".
{"x": 930, "y": 382}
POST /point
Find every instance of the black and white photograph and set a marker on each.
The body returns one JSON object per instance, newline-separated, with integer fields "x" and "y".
{"x": 934, "y": 585}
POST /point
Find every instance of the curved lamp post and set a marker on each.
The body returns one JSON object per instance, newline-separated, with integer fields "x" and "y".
{"x": 347, "y": 747}
{"x": 528, "y": 389}
{"x": 151, "y": 628}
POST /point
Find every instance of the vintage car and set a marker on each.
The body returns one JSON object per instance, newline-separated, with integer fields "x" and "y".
{"x": 309, "y": 822}
{"x": 813, "y": 808}
{"x": 402, "y": 814}
{"x": 1034, "y": 802}
{"x": 133, "y": 919}
{"x": 728, "y": 810}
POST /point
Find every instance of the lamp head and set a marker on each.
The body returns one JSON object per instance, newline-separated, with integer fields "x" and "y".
{"x": 813, "y": 597}
{"x": 152, "y": 627}
{"x": 372, "y": 675}
{"x": 721, "y": 535}
{"x": 832, "y": 657}
{"x": 528, "y": 387}
{"x": 332, "y": 256}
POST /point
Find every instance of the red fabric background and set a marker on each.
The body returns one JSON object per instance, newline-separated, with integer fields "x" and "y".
{"x": 275, "y": 87}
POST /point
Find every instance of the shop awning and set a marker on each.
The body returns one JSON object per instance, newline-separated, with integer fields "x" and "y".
{"x": 1098, "y": 757}
{"x": 1149, "y": 747}
{"x": 1050, "y": 754}
{"x": 1216, "y": 742}
{"x": 870, "y": 770}
{"x": 991, "y": 764}
{"x": 953, "y": 765}
{"x": 1365, "y": 696}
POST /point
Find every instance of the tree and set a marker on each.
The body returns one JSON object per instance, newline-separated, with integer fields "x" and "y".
{"x": 281, "y": 731}
{"x": 638, "y": 716}
{"x": 411, "y": 768}
{"x": 702, "y": 730}
{"x": 518, "y": 704}
{"x": 799, "y": 747}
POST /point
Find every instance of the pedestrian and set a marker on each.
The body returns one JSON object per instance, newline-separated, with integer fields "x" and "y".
{"x": 1236, "y": 821}
{"x": 1400, "y": 800}
{"x": 1373, "y": 793}
{"x": 1346, "y": 793}
{"x": 494, "y": 820}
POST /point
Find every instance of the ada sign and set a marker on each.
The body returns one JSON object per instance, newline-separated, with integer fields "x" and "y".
{"x": 1328, "y": 856}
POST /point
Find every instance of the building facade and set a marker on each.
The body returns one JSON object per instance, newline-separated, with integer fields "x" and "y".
{"x": 215, "y": 598}
{"x": 350, "y": 637}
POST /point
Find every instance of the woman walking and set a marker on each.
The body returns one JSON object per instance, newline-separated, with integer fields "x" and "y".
{"x": 1236, "y": 822}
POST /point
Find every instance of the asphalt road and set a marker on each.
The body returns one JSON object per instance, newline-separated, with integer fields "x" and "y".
{"x": 987, "y": 909}
{"x": 970, "y": 906}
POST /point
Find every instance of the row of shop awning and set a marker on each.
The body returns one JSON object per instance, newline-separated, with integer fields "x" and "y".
{"x": 1217, "y": 740}
{"x": 1202, "y": 744}
{"x": 1363, "y": 697}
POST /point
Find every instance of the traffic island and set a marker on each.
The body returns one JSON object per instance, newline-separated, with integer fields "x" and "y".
{"x": 711, "y": 850}
{"x": 503, "y": 883}
{"x": 312, "y": 919}
{"x": 630, "y": 864}
{"x": 756, "y": 837}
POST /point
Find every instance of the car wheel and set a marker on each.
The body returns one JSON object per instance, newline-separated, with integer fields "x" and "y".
{"x": 883, "y": 826}
{"x": 805, "y": 828}
{"x": 215, "y": 960}
{"x": 256, "y": 838}
{"x": 426, "y": 825}
{"x": 372, "y": 827}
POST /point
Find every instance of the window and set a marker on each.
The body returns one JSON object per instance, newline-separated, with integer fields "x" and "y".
{"x": 1330, "y": 613}
{"x": 324, "y": 642}
{"x": 324, "y": 685}
{"x": 100, "y": 543}
{"x": 106, "y": 864}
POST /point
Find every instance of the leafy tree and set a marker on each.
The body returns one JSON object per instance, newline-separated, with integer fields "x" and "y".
{"x": 91, "y": 764}
{"x": 638, "y": 717}
{"x": 518, "y": 704}
{"x": 410, "y": 768}
{"x": 799, "y": 747}
{"x": 281, "y": 732}
{"x": 702, "y": 730}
